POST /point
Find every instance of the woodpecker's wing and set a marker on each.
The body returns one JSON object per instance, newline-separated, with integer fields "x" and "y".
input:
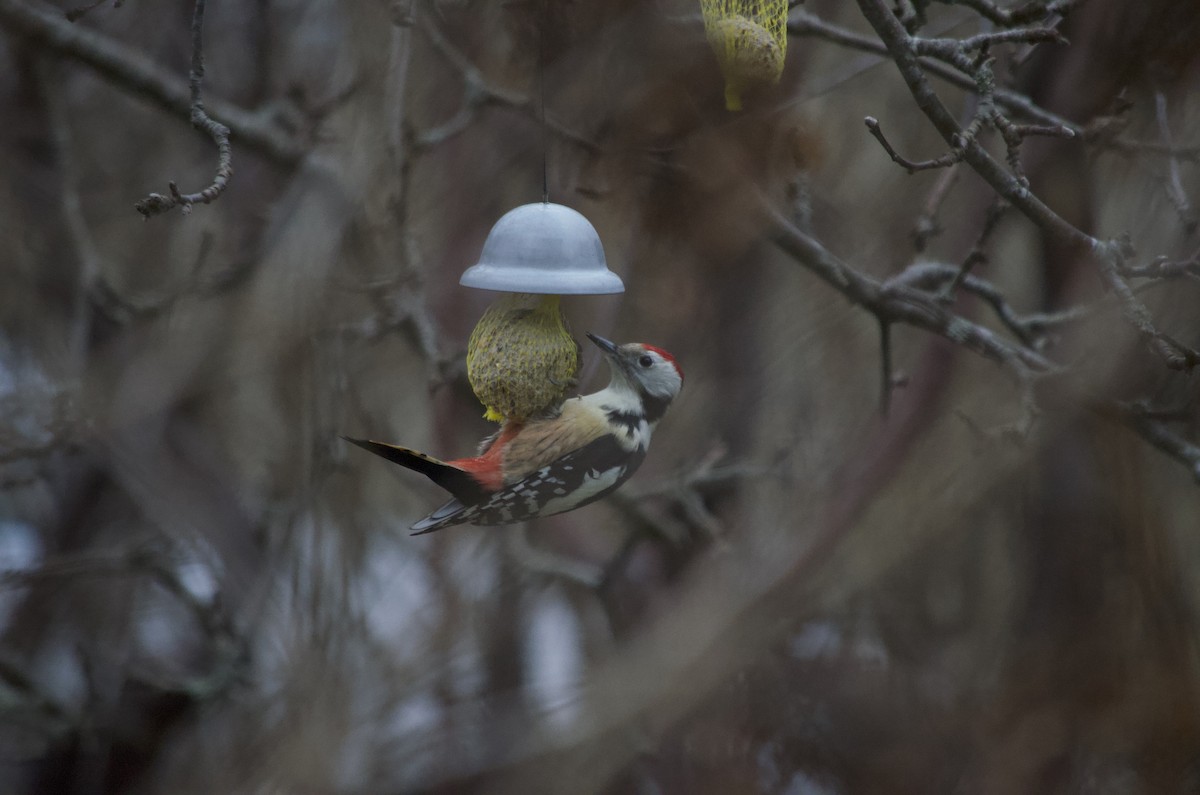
{"x": 541, "y": 443}
{"x": 453, "y": 479}
{"x": 572, "y": 481}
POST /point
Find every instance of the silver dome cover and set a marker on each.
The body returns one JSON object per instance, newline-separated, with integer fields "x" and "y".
{"x": 543, "y": 248}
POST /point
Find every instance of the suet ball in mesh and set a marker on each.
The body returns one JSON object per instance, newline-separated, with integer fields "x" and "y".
{"x": 521, "y": 359}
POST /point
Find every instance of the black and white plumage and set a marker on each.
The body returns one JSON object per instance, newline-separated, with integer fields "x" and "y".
{"x": 560, "y": 463}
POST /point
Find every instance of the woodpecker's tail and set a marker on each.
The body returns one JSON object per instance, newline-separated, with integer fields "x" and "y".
{"x": 449, "y": 514}
{"x": 459, "y": 482}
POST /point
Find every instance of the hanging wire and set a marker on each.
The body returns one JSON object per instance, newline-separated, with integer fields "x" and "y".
{"x": 542, "y": 101}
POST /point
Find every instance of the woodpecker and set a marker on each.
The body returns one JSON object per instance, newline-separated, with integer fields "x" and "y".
{"x": 558, "y": 463}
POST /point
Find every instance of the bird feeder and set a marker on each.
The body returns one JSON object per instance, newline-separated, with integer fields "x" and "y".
{"x": 749, "y": 38}
{"x": 521, "y": 359}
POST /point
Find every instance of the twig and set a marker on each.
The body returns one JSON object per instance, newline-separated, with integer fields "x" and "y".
{"x": 944, "y": 161}
{"x": 1180, "y": 412}
{"x": 927, "y": 226}
{"x": 910, "y": 15}
{"x": 648, "y": 522}
{"x": 954, "y": 51}
{"x": 16, "y": 686}
{"x": 132, "y": 71}
{"x": 75, "y": 567}
{"x": 617, "y": 563}
{"x": 140, "y": 560}
{"x": 1021, "y": 15}
{"x": 935, "y": 278}
{"x": 977, "y": 255}
{"x": 94, "y": 291}
{"x": 1020, "y": 428}
{"x": 57, "y": 421}
{"x": 1175, "y": 190}
{"x": 1129, "y": 146}
{"x": 805, "y": 24}
{"x": 79, "y": 12}
{"x": 156, "y": 203}
{"x": 704, "y": 476}
{"x": 86, "y": 252}
{"x": 402, "y": 13}
{"x": 1162, "y": 268}
{"x": 1017, "y": 430}
{"x": 479, "y": 93}
{"x": 545, "y": 561}
{"x": 988, "y": 113}
{"x": 1157, "y": 433}
{"x": 404, "y": 309}
{"x": 886, "y": 380}
{"x": 1013, "y": 187}
{"x": 1175, "y": 354}
{"x": 898, "y": 302}
{"x": 686, "y": 490}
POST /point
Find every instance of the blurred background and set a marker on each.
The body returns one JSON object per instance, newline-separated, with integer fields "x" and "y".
{"x": 203, "y": 590}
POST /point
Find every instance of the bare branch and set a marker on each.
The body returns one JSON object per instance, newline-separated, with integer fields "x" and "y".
{"x": 146, "y": 559}
{"x": 927, "y": 226}
{"x": 1175, "y": 354}
{"x": 156, "y": 203}
{"x": 545, "y": 561}
{"x": 1175, "y": 190}
{"x": 1013, "y": 186}
{"x": 805, "y": 24}
{"x": 886, "y": 378}
{"x": 898, "y": 302}
{"x": 79, "y": 12}
{"x": 1129, "y": 146}
{"x": 977, "y": 256}
{"x": 686, "y": 490}
{"x": 95, "y": 565}
{"x": 480, "y": 93}
{"x": 1162, "y": 268}
{"x": 987, "y": 114}
{"x": 944, "y": 161}
{"x": 705, "y": 475}
{"x": 404, "y": 310}
{"x": 954, "y": 51}
{"x": 1029, "y": 329}
{"x": 1021, "y": 15}
{"x": 132, "y": 71}
{"x": 1158, "y": 433}
{"x": 55, "y": 426}
{"x": 24, "y": 702}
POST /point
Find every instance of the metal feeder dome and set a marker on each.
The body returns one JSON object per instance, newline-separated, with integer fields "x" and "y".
{"x": 543, "y": 248}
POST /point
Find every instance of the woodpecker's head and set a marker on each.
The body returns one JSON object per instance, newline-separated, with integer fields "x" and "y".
{"x": 650, "y": 372}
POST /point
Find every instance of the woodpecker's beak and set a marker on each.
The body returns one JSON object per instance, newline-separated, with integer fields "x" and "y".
{"x": 605, "y": 345}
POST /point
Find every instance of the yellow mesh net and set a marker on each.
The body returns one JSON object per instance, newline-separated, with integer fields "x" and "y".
{"x": 521, "y": 359}
{"x": 750, "y": 40}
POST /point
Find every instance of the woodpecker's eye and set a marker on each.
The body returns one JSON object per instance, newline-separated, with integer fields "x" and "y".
{"x": 646, "y": 361}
